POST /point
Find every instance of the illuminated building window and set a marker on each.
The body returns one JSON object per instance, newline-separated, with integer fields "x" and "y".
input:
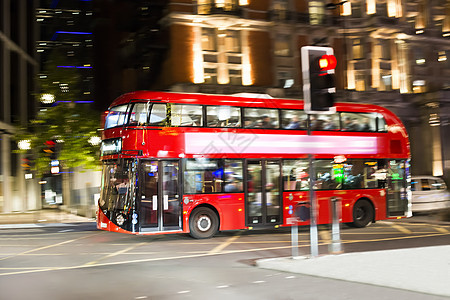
{"x": 209, "y": 39}
{"x": 385, "y": 81}
{"x": 221, "y": 56}
{"x": 211, "y": 6}
{"x": 316, "y": 12}
{"x": 419, "y": 86}
{"x": 280, "y": 9}
{"x": 357, "y": 49}
{"x": 419, "y": 56}
{"x": 360, "y": 82}
{"x": 232, "y": 41}
{"x": 442, "y": 57}
{"x": 285, "y": 79}
{"x": 282, "y": 45}
{"x": 385, "y": 49}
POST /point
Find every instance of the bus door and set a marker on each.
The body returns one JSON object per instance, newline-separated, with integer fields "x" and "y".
{"x": 160, "y": 206}
{"x": 263, "y": 196}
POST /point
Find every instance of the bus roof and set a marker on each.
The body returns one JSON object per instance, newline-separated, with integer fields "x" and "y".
{"x": 242, "y": 100}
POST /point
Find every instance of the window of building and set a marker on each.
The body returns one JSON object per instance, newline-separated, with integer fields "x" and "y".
{"x": 223, "y": 116}
{"x": 232, "y": 41}
{"x": 282, "y": 45}
{"x": 209, "y": 42}
{"x": 360, "y": 81}
{"x": 316, "y": 12}
{"x": 261, "y": 118}
{"x": 357, "y": 49}
{"x": 186, "y": 115}
{"x": 385, "y": 49}
{"x": 285, "y": 79}
{"x": 280, "y": 9}
{"x": 385, "y": 80}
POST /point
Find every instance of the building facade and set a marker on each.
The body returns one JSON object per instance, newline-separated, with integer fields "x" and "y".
{"x": 18, "y": 66}
{"x": 394, "y": 53}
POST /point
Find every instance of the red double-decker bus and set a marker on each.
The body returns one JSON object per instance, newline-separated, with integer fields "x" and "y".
{"x": 198, "y": 163}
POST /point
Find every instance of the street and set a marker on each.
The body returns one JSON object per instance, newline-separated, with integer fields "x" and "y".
{"x": 80, "y": 262}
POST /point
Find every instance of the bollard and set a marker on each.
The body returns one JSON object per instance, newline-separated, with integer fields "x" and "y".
{"x": 294, "y": 240}
{"x": 335, "y": 226}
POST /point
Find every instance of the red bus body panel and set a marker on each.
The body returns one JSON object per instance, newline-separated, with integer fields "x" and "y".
{"x": 170, "y": 142}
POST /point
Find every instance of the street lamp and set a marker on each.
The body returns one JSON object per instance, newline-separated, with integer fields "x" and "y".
{"x": 47, "y": 98}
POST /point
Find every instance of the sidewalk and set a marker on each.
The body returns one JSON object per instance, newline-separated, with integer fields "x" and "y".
{"x": 40, "y": 218}
{"x": 424, "y": 270}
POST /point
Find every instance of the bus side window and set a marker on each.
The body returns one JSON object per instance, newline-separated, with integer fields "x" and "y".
{"x": 382, "y": 126}
{"x": 116, "y": 116}
{"x": 293, "y": 119}
{"x": 187, "y": 115}
{"x": 223, "y": 116}
{"x": 261, "y": 118}
{"x": 139, "y": 114}
{"x": 158, "y": 115}
{"x": 359, "y": 122}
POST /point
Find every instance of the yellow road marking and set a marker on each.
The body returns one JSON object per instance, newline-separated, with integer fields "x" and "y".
{"x": 194, "y": 256}
{"x": 441, "y": 229}
{"x": 325, "y": 235}
{"x": 48, "y": 246}
{"x": 115, "y": 254}
{"x": 224, "y": 245}
{"x": 400, "y": 228}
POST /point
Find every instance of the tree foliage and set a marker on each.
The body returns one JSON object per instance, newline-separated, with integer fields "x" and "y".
{"x": 70, "y": 126}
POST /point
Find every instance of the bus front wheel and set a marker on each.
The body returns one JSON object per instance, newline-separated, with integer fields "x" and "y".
{"x": 203, "y": 223}
{"x": 363, "y": 213}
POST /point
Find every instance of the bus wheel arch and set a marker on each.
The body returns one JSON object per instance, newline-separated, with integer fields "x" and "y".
{"x": 363, "y": 213}
{"x": 204, "y": 222}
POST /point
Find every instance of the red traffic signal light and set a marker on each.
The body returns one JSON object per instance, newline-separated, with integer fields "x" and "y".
{"x": 318, "y": 70}
{"x": 327, "y": 62}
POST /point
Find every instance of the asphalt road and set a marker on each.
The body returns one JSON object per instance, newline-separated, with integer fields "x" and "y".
{"x": 79, "y": 262}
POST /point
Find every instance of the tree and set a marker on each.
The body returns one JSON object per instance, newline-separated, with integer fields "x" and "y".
{"x": 73, "y": 129}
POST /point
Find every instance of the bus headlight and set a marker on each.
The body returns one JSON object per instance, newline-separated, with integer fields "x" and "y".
{"x": 120, "y": 219}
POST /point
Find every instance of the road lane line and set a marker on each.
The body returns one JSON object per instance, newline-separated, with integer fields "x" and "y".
{"x": 196, "y": 256}
{"x": 225, "y": 244}
{"x": 441, "y": 229}
{"x": 49, "y": 246}
{"x": 115, "y": 254}
{"x": 398, "y": 227}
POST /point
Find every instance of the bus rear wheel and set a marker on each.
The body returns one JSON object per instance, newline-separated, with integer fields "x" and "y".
{"x": 203, "y": 223}
{"x": 363, "y": 213}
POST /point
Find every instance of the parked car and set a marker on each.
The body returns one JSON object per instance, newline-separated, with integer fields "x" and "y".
{"x": 429, "y": 194}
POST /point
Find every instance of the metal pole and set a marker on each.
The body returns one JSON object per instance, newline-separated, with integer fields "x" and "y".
{"x": 294, "y": 239}
{"x": 313, "y": 234}
{"x": 335, "y": 228}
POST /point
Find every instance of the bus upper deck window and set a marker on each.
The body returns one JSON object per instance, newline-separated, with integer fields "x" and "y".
{"x": 116, "y": 116}
{"x": 158, "y": 115}
{"x": 223, "y": 116}
{"x": 261, "y": 118}
{"x": 139, "y": 114}
{"x": 186, "y": 115}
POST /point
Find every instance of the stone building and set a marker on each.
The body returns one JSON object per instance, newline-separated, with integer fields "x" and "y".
{"x": 394, "y": 53}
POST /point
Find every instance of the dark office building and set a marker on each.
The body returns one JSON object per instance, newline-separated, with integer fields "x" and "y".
{"x": 18, "y": 67}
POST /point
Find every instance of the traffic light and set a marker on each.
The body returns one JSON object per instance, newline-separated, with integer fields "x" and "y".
{"x": 318, "y": 68}
{"x": 49, "y": 149}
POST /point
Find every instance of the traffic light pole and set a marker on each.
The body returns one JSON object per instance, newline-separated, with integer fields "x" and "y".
{"x": 313, "y": 234}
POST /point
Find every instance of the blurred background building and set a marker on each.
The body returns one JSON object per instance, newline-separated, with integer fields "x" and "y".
{"x": 394, "y": 53}
{"x": 18, "y": 66}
